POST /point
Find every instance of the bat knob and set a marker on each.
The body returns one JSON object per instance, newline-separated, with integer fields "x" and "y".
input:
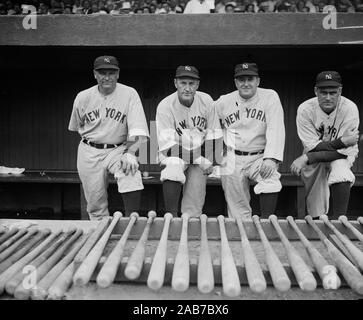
{"x": 117, "y": 215}
{"x": 151, "y": 214}
{"x": 324, "y": 217}
{"x": 134, "y": 215}
{"x": 343, "y": 218}
{"x": 168, "y": 216}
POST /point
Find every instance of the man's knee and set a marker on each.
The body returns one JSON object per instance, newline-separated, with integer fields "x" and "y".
{"x": 270, "y": 185}
{"x": 340, "y": 172}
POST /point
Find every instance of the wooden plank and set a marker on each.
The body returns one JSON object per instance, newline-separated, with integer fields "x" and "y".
{"x": 171, "y": 30}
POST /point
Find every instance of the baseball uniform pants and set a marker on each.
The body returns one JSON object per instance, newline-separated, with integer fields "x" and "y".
{"x": 193, "y": 180}
{"x": 93, "y": 167}
{"x": 236, "y": 176}
{"x": 318, "y": 177}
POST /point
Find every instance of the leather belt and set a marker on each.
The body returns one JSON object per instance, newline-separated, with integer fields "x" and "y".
{"x": 245, "y": 153}
{"x": 100, "y": 145}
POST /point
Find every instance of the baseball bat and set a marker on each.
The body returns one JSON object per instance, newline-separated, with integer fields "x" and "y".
{"x": 156, "y": 275}
{"x": 8, "y": 234}
{"x": 25, "y": 292}
{"x": 89, "y": 264}
{"x": 12, "y": 248}
{"x": 360, "y": 220}
{"x": 60, "y": 286}
{"x": 2, "y": 229}
{"x": 279, "y": 277}
{"x": 302, "y": 272}
{"x": 19, "y": 265}
{"x": 24, "y": 250}
{"x": 41, "y": 290}
{"x": 135, "y": 262}
{"x": 5, "y": 245}
{"x": 180, "y": 278}
{"x": 255, "y": 277}
{"x": 344, "y": 220}
{"x": 62, "y": 283}
{"x": 91, "y": 241}
{"x": 230, "y": 278}
{"x": 17, "y": 278}
{"x": 350, "y": 273}
{"x": 353, "y": 250}
{"x": 205, "y": 265}
{"x": 109, "y": 269}
{"x": 327, "y": 272}
{"x": 335, "y": 240}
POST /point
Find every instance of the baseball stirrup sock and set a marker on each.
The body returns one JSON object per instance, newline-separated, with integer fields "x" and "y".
{"x": 131, "y": 201}
{"x": 339, "y": 193}
{"x": 172, "y": 191}
{"x": 268, "y": 203}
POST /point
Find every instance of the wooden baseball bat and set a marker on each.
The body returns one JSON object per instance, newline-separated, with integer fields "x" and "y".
{"x": 327, "y": 272}
{"x": 25, "y": 292}
{"x": 344, "y": 220}
{"x": 6, "y": 244}
{"x": 19, "y": 265}
{"x": 360, "y": 220}
{"x": 18, "y": 277}
{"x": 91, "y": 241}
{"x": 60, "y": 286}
{"x": 230, "y": 279}
{"x": 89, "y": 264}
{"x": 255, "y": 277}
{"x": 180, "y": 277}
{"x": 8, "y": 234}
{"x": 350, "y": 273}
{"x": 335, "y": 240}
{"x": 135, "y": 262}
{"x": 24, "y": 250}
{"x": 353, "y": 250}
{"x": 109, "y": 269}
{"x": 156, "y": 275}
{"x": 302, "y": 272}
{"x": 2, "y": 229}
{"x": 279, "y": 277}
{"x": 12, "y": 248}
{"x": 205, "y": 265}
{"x": 41, "y": 290}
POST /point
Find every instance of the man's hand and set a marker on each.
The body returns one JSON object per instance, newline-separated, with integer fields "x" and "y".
{"x": 298, "y": 164}
{"x": 129, "y": 163}
{"x": 267, "y": 168}
{"x": 350, "y": 138}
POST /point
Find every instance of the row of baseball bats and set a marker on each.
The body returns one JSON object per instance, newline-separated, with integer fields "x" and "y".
{"x": 56, "y": 260}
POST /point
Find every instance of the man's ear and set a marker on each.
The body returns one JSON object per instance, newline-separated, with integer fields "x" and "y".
{"x": 175, "y": 80}
{"x": 316, "y": 91}
{"x": 94, "y": 74}
{"x": 197, "y": 84}
{"x": 258, "y": 81}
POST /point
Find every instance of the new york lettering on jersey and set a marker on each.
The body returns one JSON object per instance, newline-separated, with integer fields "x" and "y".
{"x": 198, "y": 122}
{"x": 236, "y": 115}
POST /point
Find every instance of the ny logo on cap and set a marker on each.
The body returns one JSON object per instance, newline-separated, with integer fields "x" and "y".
{"x": 245, "y": 66}
{"x": 328, "y": 76}
{"x": 188, "y": 68}
{"x": 107, "y": 60}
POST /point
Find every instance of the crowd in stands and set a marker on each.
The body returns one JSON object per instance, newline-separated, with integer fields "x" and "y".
{"x": 115, "y": 7}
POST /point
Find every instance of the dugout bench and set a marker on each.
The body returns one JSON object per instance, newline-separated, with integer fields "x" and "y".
{"x": 61, "y": 191}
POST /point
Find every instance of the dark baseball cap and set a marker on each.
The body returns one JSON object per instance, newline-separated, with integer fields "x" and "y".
{"x": 246, "y": 69}
{"x": 187, "y": 71}
{"x": 328, "y": 79}
{"x": 106, "y": 62}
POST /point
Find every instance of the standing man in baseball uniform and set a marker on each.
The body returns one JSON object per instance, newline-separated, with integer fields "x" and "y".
{"x": 111, "y": 122}
{"x": 189, "y": 137}
{"x": 327, "y": 126}
{"x": 252, "y": 120}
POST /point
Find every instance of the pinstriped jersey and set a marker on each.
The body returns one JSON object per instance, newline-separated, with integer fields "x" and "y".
{"x": 253, "y": 124}
{"x": 314, "y": 125}
{"x": 111, "y": 118}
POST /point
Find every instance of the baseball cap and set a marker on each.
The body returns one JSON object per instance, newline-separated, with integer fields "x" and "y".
{"x": 187, "y": 71}
{"x": 328, "y": 79}
{"x": 106, "y": 62}
{"x": 246, "y": 69}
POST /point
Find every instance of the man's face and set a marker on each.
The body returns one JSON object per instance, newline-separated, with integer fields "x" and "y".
{"x": 328, "y": 98}
{"x": 186, "y": 88}
{"x": 247, "y": 86}
{"x": 106, "y": 79}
